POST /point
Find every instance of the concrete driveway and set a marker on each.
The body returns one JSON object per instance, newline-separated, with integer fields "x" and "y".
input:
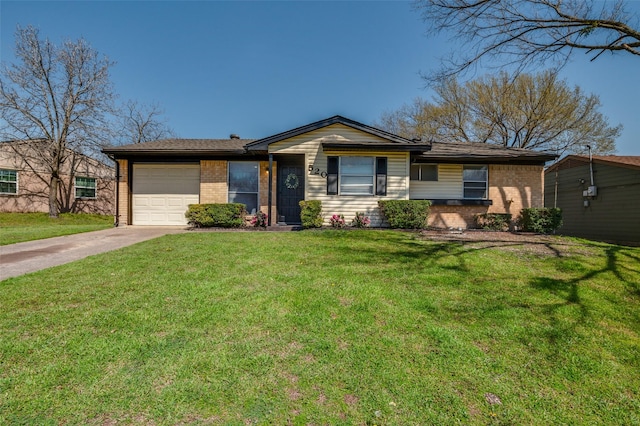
{"x": 22, "y": 258}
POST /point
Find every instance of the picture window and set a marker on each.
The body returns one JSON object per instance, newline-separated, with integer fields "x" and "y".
{"x": 243, "y": 184}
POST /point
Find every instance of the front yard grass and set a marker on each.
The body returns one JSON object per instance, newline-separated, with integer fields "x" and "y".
{"x": 20, "y": 227}
{"x": 328, "y": 327}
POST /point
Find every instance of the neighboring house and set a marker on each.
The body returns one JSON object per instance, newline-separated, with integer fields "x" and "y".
{"x": 86, "y": 185}
{"x": 601, "y": 202}
{"x": 347, "y": 165}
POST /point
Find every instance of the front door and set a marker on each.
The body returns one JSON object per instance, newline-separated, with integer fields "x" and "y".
{"x": 290, "y": 188}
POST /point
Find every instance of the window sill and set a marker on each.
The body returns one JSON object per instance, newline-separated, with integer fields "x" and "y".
{"x": 461, "y": 202}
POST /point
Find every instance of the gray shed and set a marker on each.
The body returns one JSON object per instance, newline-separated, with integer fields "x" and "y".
{"x": 599, "y": 201}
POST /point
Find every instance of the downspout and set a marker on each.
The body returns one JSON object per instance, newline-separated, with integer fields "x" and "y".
{"x": 555, "y": 189}
{"x": 555, "y": 192}
{"x": 116, "y": 221}
{"x": 590, "y": 165}
{"x": 270, "y": 189}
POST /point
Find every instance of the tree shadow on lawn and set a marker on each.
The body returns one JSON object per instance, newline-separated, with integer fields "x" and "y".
{"x": 562, "y": 325}
{"x": 448, "y": 254}
{"x": 410, "y": 249}
{"x": 622, "y": 262}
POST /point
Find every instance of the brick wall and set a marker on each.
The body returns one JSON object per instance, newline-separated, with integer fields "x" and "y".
{"x": 511, "y": 188}
{"x": 454, "y": 216}
{"x": 34, "y": 179}
{"x": 213, "y": 181}
{"x": 33, "y": 195}
{"x": 123, "y": 193}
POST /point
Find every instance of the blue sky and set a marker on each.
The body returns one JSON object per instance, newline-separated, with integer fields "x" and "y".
{"x": 259, "y": 68}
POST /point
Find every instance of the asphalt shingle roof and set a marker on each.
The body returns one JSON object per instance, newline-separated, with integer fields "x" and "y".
{"x": 629, "y": 161}
{"x": 429, "y": 151}
{"x": 470, "y": 150}
{"x": 176, "y": 146}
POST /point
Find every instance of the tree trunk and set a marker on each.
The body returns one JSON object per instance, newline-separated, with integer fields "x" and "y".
{"x": 53, "y": 197}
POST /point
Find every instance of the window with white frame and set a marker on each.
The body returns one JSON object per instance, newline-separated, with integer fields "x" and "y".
{"x": 474, "y": 181}
{"x": 357, "y": 175}
{"x": 85, "y": 187}
{"x": 424, "y": 172}
{"x": 243, "y": 184}
{"x": 8, "y": 181}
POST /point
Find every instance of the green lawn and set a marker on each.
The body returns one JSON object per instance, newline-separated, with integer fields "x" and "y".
{"x": 328, "y": 327}
{"x": 19, "y": 227}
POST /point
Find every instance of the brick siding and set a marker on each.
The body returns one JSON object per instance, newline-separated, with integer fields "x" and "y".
{"x": 213, "y": 181}
{"x": 33, "y": 195}
{"x": 123, "y": 193}
{"x": 511, "y": 188}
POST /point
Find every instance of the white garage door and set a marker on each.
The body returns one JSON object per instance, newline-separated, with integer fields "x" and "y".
{"x": 163, "y": 192}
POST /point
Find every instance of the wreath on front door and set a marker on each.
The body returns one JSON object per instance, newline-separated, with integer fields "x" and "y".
{"x": 292, "y": 181}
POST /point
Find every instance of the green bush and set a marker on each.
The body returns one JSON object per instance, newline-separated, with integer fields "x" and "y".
{"x": 543, "y": 221}
{"x": 229, "y": 215}
{"x": 493, "y": 221}
{"x": 406, "y": 214}
{"x": 311, "y": 213}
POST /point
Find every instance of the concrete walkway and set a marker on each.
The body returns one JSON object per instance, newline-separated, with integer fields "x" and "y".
{"x": 22, "y": 258}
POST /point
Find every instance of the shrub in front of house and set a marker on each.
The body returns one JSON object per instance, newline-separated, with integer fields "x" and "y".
{"x": 406, "y": 214}
{"x": 229, "y": 215}
{"x": 543, "y": 221}
{"x": 360, "y": 221}
{"x": 311, "y": 213}
{"x": 493, "y": 221}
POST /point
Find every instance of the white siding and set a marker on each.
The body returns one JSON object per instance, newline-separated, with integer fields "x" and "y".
{"x": 310, "y": 144}
{"x": 448, "y": 186}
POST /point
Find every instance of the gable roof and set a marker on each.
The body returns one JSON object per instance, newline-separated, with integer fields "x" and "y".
{"x": 385, "y": 141}
{"x": 571, "y": 161}
{"x": 182, "y": 147}
{"x": 392, "y": 142}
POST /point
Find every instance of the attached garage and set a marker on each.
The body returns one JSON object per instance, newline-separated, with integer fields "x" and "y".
{"x": 163, "y": 192}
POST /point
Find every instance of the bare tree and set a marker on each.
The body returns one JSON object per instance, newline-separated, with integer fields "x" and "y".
{"x": 143, "y": 123}
{"x": 56, "y": 98}
{"x": 526, "y": 111}
{"x": 528, "y": 32}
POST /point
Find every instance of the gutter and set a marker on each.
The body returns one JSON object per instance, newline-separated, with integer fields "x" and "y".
{"x": 158, "y": 152}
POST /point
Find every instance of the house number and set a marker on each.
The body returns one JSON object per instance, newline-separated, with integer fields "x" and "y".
{"x": 316, "y": 171}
